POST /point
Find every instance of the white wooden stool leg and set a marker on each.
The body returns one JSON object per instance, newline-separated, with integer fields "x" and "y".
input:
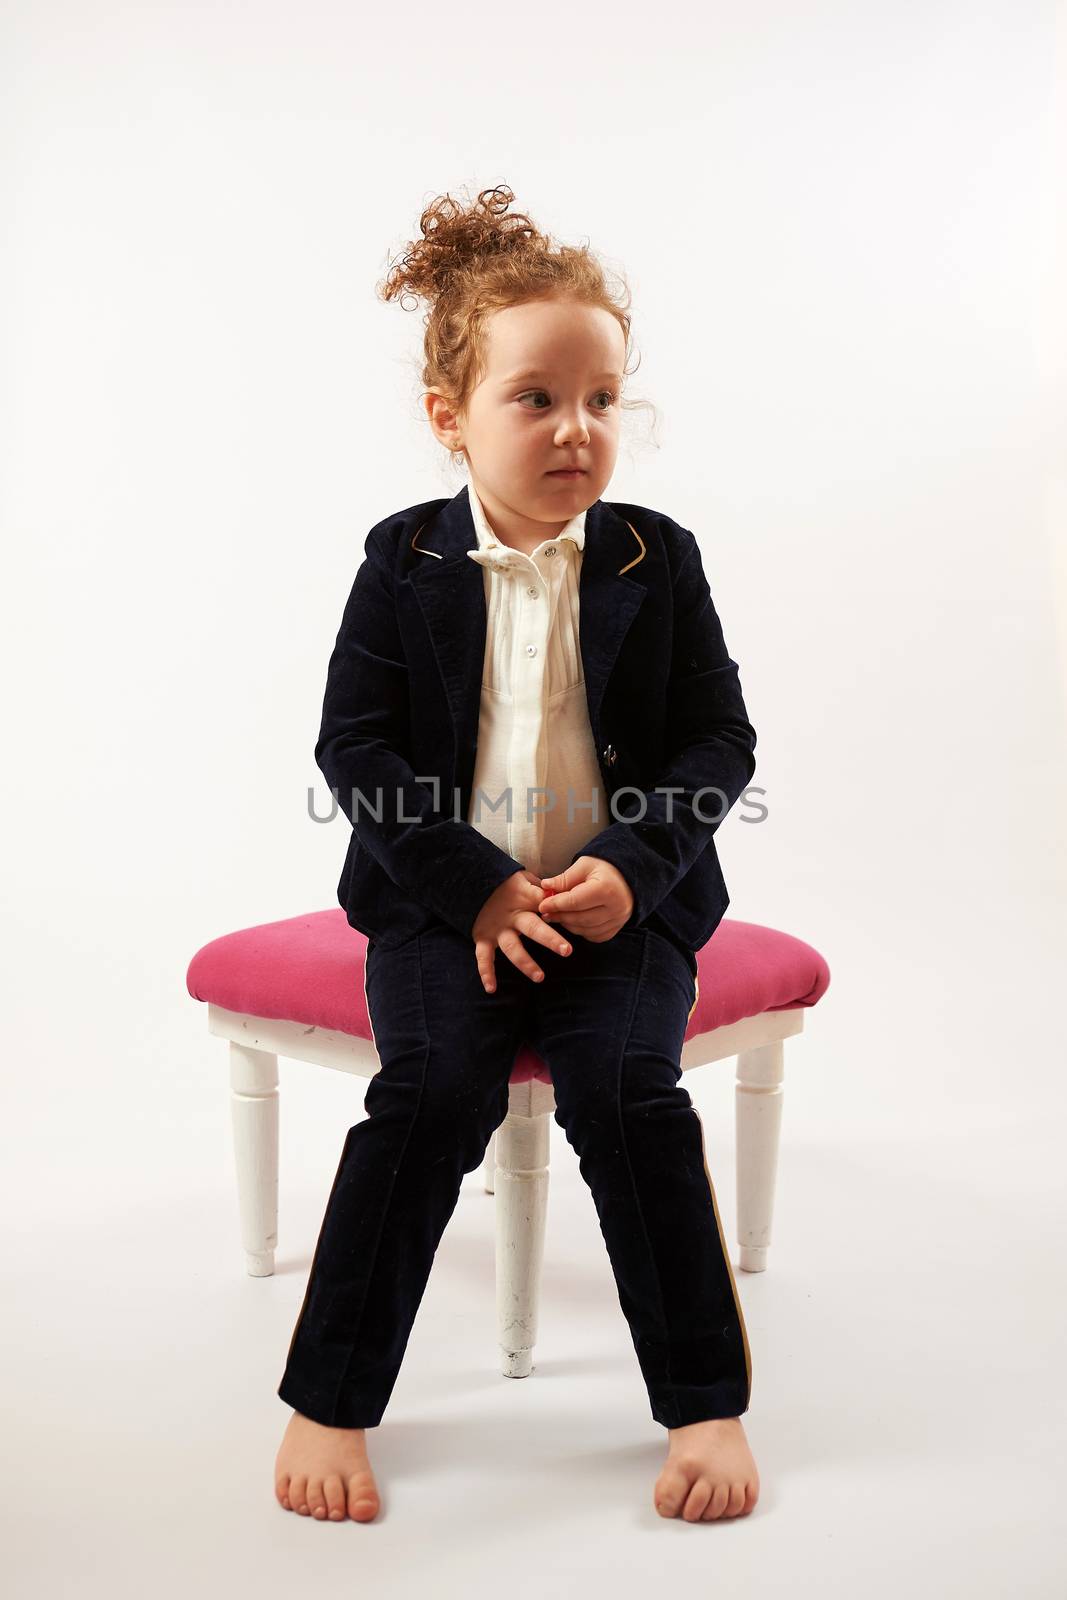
{"x": 489, "y": 1166}
{"x": 758, "y": 1107}
{"x": 254, "y": 1101}
{"x": 522, "y": 1148}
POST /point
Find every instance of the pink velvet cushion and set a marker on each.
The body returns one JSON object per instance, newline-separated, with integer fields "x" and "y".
{"x": 310, "y": 970}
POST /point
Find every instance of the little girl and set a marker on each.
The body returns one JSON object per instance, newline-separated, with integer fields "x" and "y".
{"x": 526, "y": 639}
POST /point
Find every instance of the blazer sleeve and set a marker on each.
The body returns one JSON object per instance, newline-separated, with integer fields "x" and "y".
{"x": 444, "y": 863}
{"x": 711, "y": 746}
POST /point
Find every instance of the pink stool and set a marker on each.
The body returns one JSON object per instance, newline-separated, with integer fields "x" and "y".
{"x": 296, "y": 988}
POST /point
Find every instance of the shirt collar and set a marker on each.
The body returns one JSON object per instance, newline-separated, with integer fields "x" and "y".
{"x": 490, "y": 549}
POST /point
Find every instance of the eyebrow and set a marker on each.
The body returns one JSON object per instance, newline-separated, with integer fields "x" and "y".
{"x": 523, "y": 377}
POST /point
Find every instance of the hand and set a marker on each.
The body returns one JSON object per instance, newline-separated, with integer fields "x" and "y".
{"x": 511, "y": 909}
{"x": 594, "y": 899}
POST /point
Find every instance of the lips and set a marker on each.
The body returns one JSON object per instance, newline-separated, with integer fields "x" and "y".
{"x": 567, "y": 472}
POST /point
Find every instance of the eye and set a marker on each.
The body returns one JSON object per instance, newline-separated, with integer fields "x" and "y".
{"x": 607, "y": 394}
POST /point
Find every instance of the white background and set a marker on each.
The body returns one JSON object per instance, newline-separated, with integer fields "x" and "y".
{"x": 842, "y": 226}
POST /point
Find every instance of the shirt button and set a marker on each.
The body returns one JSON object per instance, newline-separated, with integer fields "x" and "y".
{"x": 532, "y": 593}
{"x": 550, "y": 549}
{"x": 531, "y": 649}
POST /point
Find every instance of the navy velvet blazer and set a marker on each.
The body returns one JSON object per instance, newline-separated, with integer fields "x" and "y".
{"x": 400, "y": 722}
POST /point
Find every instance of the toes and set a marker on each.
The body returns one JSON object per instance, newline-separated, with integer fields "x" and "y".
{"x": 281, "y": 1491}
{"x": 696, "y": 1500}
{"x": 717, "y": 1503}
{"x": 736, "y": 1503}
{"x": 298, "y": 1489}
{"x": 316, "y": 1499}
{"x": 671, "y": 1490}
{"x": 363, "y": 1501}
{"x": 334, "y": 1490}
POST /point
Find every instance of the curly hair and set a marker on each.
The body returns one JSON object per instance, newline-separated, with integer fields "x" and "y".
{"x": 477, "y": 259}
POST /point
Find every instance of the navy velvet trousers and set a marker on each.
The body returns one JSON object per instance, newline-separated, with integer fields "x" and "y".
{"x": 609, "y": 1020}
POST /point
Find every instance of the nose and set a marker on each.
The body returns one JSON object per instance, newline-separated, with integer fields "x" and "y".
{"x": 572, "y": 431}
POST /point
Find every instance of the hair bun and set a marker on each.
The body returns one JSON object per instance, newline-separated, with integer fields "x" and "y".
{"x": 456, "y": 238}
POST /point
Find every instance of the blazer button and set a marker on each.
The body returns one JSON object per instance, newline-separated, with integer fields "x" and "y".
{"x": 611, "y": 755}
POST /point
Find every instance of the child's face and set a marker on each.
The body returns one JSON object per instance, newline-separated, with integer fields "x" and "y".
{"x": 519, "y": 428}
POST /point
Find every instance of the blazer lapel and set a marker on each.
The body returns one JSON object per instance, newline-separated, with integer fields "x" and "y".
{"x": 450, "y": 589}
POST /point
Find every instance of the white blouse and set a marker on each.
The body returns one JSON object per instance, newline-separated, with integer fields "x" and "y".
{"x": 533, "y": 731}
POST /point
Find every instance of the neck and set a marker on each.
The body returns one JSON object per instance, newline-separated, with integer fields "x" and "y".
{"x": 511, "y": 527}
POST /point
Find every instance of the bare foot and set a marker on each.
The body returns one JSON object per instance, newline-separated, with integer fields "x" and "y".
{"x": 324, "y": 1472}
{"x": 710, "y": 1472}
